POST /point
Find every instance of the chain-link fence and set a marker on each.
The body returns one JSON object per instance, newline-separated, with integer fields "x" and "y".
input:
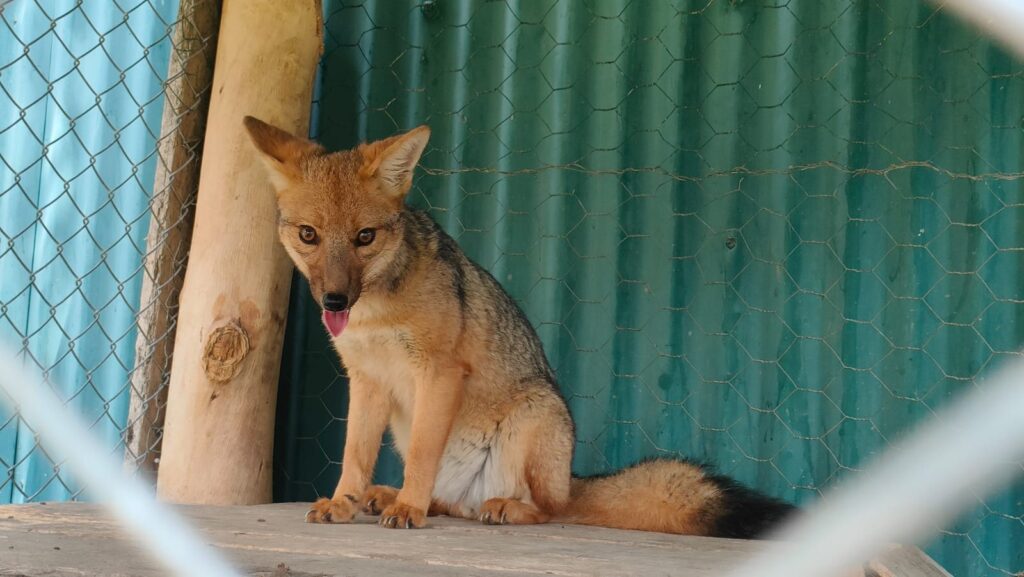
{"x": 773, "y": 235}
{"x": 101, "y": 113}
{"x": 770, "y": 234}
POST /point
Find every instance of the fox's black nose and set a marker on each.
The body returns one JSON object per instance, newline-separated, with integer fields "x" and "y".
{"x": 334, "y": 302}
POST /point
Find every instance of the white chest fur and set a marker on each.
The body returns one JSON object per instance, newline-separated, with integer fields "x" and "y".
{"x": 380, "y": 356}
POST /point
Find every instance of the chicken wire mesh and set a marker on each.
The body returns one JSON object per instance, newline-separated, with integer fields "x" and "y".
{"x": 97, "y": 185}
{"x": 769, "y": 234}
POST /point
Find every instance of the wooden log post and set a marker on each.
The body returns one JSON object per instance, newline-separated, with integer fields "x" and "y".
{"x": 218, "y": 432}
{"x": 186, "y": 101}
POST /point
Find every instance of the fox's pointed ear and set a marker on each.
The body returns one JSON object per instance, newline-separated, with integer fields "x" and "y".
{"x": 398, "y": 159}
{"x": 281, "y": 152}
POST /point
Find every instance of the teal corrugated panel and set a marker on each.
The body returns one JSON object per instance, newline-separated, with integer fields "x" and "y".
{"x": 19, "y": 182}
{"x": 770, "y": 235}
{"x": 82, "y": 99}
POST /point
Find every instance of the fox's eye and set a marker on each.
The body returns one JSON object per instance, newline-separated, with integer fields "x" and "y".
{"x": 307, "y": 234}
{"x": 365, "y": 236}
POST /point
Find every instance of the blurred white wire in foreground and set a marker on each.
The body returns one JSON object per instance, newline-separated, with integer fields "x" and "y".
{"x": 964, "y": 452}
{"x": 66, "y": 439}
{"x": 1003, "y": 20}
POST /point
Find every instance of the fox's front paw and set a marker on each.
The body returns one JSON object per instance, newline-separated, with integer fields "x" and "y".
{"x": 330, "y": 511}
{"x": 377, "y": 498}
{"x": 402, "y": 516}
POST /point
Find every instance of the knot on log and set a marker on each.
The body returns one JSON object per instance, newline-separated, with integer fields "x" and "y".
{"x": 226, "y": 348}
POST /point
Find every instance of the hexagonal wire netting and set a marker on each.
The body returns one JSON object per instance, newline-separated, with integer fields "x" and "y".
{"x": 101, "y": 125}
{"x": 773, "y": 235}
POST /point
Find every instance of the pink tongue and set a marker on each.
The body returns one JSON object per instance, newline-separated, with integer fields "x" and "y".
{"x": 336, "y": 321}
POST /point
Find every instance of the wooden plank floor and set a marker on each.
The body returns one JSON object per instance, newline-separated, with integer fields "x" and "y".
{"x": 272, "y": 540}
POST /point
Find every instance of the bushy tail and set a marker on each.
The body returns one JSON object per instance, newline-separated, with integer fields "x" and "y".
{"x": 670, "y": 496}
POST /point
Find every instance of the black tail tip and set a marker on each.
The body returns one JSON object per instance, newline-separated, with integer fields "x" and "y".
{"x": 748, "y": 514}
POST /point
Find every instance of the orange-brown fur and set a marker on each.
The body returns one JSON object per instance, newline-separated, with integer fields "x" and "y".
{"x": 674, "y": 498}
{"x": 438, "y": 352}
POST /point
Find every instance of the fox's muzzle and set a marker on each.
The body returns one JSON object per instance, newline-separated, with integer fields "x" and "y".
{"x": 339, "y": 276}
{"x": 334, "y": 302}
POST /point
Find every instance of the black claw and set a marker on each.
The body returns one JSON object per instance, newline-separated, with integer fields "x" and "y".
{"x": 369, "y": 506}
{"x": 327, "y": 517}
{"x": 408, "y": 523}
{"x": 486, "y": 518}
{"x": 503, "y": 517}
{"x": 391, "y": 521}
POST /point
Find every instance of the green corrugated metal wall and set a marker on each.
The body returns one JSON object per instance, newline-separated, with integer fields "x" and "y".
{"x": 772, "y": 235}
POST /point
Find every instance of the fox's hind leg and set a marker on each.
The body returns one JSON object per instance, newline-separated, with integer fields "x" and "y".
{"x": 501, "y": 511}
{"x": 536, "y": 451}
